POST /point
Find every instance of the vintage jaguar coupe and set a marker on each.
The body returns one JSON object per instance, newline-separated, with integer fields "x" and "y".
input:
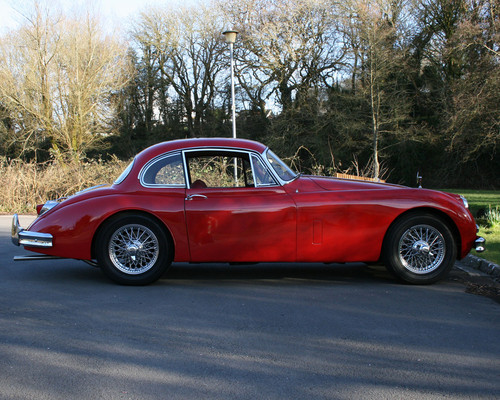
{"x": 235, "y": 201}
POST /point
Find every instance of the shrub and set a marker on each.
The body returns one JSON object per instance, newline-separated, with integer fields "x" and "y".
{"x": 493, "y": 216}
{"x": 26, "y": 184}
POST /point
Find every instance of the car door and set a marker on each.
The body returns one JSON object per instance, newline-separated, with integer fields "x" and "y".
{"x": 235, "y": 211}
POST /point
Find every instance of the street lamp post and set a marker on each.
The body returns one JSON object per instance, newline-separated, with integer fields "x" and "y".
{"x": 231, "y": 38}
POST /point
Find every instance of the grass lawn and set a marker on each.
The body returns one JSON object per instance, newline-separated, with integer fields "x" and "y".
{"x": 481, "y": 200}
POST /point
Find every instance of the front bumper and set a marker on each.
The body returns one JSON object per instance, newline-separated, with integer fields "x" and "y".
{"x": 23, "y": 237}
{"x": 479, "y": 244}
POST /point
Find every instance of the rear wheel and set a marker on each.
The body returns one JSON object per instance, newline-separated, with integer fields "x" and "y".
{"x": 420, "y": 249}
{"x": 134, "y": 250}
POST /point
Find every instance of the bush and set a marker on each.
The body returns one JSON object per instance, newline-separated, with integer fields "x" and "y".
{"x": 491, "y": 217}
{"x": 26, "y": 184}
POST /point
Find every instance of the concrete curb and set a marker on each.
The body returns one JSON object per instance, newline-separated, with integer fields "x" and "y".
{"x": 482, "y": 265}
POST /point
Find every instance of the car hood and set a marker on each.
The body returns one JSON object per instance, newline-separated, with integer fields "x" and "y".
{"x": 328, "y": 183}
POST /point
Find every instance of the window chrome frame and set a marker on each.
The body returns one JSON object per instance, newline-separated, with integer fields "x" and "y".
{"x": 262, "y": 157}
{"x": 266, "y": 166}
{"x": 275, "y": 174}
{"x": 231, "y": 150}
{"x": 153, "y": 161}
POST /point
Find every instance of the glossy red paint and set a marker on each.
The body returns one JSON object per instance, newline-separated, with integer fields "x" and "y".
{"x": 352, "y": 217}
{"x": 311, "y": 219}
{"x": 74, "y": 225}
{"x": 241, "y": 225}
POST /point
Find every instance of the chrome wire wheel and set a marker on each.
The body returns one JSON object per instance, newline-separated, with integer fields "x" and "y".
{"x": 133, "y": 249}
{"x": 422, "y": 249}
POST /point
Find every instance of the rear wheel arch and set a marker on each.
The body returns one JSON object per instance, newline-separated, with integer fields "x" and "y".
{"x": 110, "y": 219}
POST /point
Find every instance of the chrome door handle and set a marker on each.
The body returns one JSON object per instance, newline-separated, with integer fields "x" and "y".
{"x": 192, "y": 196}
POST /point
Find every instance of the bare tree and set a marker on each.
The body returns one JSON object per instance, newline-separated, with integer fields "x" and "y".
{"x": 474, "y": 115}
{"x": 58, "y": 79}
{"x": 289, "y": 47}
{"x": 372, "y": 30}
{"x": 26, "y": 59}
{"x": 190, "y": 53}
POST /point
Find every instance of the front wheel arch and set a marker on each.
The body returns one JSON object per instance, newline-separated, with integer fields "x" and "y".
{"x": 404, "y": 255}
{"x": 445, "y": 218}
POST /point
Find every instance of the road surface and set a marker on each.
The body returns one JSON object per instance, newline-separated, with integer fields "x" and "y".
{"x": 241, "y": 332}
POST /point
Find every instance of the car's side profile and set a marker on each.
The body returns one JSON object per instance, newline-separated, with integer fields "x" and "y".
{"x": 229, "y": 200}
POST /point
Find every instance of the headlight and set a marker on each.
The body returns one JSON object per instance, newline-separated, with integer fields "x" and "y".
{"x": 464, "y": 200}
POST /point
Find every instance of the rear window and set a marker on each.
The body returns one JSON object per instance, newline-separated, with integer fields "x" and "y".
{"x": 164, "y": 171}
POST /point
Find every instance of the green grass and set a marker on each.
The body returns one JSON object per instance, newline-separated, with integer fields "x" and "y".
{"x": 479, "y": 202}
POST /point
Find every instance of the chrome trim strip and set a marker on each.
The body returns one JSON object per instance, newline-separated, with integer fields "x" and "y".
{"x": 234, "y": 150}
{"x": 36, "y": 257}
{"x": 23, "y": 237}
{"x": 92, "y": 263}
{"x": 208, "y": 149}
{"x": 183, "y": 152}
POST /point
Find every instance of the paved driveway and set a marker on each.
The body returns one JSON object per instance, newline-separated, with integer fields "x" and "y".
{"x": 248, "y": 332}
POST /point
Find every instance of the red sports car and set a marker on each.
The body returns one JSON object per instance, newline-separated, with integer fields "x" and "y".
{"x": 229, "y": 200}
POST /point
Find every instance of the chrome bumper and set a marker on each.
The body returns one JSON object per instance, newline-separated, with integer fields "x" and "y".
{"x": 23, "y": 237}
{"x": 479, "y": 244}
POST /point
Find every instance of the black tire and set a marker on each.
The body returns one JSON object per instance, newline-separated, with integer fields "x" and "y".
{"x": 419, "y": 249}
{"x": 134, "y": 249}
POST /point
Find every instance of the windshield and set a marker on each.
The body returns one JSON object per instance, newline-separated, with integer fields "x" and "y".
{"x": 283, "y": 170}
{"x": 125, "y": 173}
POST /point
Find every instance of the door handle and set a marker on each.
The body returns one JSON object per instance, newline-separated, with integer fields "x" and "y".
{"x": 192, "y": 196}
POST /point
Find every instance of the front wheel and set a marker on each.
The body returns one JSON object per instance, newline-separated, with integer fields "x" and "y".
{"x": 419, "y": 249}
{"x": 134, "y": 250}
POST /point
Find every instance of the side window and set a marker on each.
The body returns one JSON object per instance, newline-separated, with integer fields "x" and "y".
{"x": 219, "y": 170}
{"x": 261, "y": 173}
{"x": 166, "y": 171}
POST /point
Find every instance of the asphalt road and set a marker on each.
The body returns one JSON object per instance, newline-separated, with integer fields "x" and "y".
{"x": 247, "y": 332}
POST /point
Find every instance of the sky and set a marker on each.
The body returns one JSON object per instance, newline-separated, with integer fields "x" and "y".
{"x": 117, "y": 12}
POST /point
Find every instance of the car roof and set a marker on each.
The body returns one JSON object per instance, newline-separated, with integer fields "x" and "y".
{"x": 200, "y": 143}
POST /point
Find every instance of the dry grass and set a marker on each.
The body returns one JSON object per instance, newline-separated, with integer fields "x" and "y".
{"x": 24, "y": 185}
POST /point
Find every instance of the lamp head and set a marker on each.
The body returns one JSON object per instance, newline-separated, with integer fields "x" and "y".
{"x": 230, "y": 36}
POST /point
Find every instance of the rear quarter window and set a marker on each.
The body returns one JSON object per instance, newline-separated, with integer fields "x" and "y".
{"x": 164, "y": 171}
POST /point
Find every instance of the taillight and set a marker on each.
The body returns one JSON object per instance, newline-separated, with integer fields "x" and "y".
{"x": 43, "y": 208}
